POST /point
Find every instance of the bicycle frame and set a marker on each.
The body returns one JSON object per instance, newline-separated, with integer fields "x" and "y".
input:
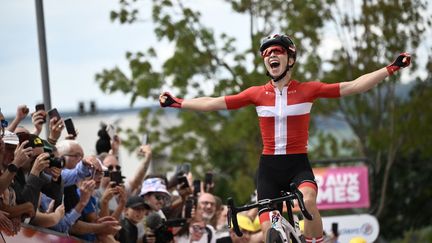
{"x": 285, "y": 227}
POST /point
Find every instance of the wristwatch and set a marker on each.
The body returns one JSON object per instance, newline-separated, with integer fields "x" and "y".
{"x": 12, "y": 168}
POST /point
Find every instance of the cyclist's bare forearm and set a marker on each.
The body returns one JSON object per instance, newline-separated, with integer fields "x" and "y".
{"x": 363, "y": 83}
{"x": 205, "y": 104}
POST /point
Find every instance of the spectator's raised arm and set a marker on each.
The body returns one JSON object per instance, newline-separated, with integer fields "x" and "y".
{"x": 137, "y": 179}
{"x": 22, "y": 112}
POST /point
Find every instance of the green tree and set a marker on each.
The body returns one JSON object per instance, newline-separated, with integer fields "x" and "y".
{"x": 205, "y": 64}
{"x": 370, "y": 34}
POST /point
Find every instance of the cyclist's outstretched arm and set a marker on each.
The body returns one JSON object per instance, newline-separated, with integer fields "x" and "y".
{"x": 198, "y": 104}
{"x": 369, "y": 80}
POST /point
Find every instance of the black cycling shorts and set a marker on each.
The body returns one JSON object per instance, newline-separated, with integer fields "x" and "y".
{"x": 277, "y": 172}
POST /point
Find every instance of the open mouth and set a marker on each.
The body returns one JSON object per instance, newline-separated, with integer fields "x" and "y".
{"x": 274, "y": 64}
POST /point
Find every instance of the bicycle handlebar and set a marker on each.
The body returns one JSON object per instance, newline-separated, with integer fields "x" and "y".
{"x": 233, "y": 210}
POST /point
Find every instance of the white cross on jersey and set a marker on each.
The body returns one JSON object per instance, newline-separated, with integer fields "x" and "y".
{"x": 280, "y": 112}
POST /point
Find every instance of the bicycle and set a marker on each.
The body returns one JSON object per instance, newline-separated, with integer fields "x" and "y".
{"x": 281, "y": 229}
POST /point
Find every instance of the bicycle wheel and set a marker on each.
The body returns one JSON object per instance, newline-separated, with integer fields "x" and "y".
{"x": 273, "y": 236}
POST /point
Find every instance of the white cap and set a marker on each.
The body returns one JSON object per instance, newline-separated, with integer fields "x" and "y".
{"x": 10, "y": 138}
{"x": 153, "y": 185}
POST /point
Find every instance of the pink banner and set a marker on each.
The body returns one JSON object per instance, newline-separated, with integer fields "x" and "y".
{"x": 343, "y": 187}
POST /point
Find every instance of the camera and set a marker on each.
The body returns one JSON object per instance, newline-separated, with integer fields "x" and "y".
{"x": 160, "y": 227}
{"x": 58, "y": 162}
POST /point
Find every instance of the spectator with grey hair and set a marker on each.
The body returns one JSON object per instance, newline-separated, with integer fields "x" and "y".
{"x": 77, "y": 168}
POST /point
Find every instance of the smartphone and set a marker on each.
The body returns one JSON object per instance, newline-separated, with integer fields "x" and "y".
{"x": 116, "y": 177}
{"x": 54, "y": 113}
{"x": 70, "y": 128}
{"x": 144, "y": 139}
{"x": 197, "y": 187}
{"x": 189, "y": 204}
{"x": 39, "y": 107}
{"x": 208, "y": 180}
{"x": 182, "y": 181}
{"x": 111, "y": 131}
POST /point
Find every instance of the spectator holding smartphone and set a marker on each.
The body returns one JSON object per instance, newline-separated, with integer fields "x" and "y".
{"x": 38, "y": 118}
{"x": 91, "y": 212}
{"x": 131, "y": 184}
{"x": 78, "y": 167}
{"x": 12, "y": 156}
{"x": 56, "y": 126}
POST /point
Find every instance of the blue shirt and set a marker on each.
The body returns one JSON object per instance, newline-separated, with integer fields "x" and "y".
{"x": 66, "y": 222}
{"x": 72, "y": 176}
{"x": 91, "y": 207}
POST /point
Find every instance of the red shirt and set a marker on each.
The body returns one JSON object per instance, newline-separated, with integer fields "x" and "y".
{"x": 284, "y": 115}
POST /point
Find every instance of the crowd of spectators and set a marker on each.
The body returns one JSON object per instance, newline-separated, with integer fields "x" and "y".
{"x": 50, "y": 183}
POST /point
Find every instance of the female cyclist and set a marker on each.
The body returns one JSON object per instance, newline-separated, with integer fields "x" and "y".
{"x": 283, "y": 106}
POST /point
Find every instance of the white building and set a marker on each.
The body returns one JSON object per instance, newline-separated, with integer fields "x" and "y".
{"x": 88, "y": 126}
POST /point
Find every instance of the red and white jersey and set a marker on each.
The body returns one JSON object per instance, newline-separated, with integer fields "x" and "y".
{"x": 284, "y": 115}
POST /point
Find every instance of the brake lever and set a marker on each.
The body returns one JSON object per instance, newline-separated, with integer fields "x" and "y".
{"x": 232, "y": 217}
{"x": 299, "y": 196}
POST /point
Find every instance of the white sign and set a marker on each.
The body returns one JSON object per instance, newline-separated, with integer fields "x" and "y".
{"x": 350, "y": 226}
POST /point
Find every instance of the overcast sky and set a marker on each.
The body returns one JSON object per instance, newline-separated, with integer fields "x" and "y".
{"x": 81, "y": 41}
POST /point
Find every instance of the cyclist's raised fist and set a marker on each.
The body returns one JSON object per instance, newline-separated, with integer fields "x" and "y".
{"x": 403, "y": 60}
{"x": 166, "y": 99}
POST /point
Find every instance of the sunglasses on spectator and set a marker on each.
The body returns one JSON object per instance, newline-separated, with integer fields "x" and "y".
{"x": 111, "y": 167}
{"x": 3, "y": 124}
{"x": 198, "y": 229}
{"x": 246, "y": 232}
{"x": 277, "y": 50}
{"x": 159, "y": 197}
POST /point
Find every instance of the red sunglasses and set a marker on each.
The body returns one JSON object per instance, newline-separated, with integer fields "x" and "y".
{"x": 278, "y": 50}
